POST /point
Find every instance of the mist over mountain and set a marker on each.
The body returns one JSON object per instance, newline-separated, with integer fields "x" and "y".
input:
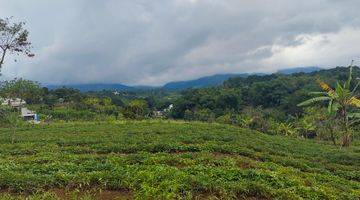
{"x": 207, "y": 81}
{"x": 93, "y": 87}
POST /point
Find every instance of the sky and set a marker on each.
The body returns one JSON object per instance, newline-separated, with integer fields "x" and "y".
{"x": 151, "y": 42}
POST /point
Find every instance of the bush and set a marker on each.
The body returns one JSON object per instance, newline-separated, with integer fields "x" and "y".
{"x": 70, "y": 114}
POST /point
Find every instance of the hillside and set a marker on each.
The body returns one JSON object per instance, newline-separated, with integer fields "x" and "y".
{"x": 167, "y": 160}
{"x": 93, "y": 87}
{"x": 203, "y": 82}
{"x": 299, "y": 70}
{"x": 207, "y": 81}
{"x": 218, "y": 79}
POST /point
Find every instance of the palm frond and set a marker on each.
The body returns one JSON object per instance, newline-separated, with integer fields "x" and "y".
{"x": 331, "y": 92}
{"x": 330, "y": 106}
{"x": 318, "y": 93}
{"x": 354, "y": 122}
{"x": 340, "y": 91}
{"x": 354, "y": 102}
{"x": 354, "y": 115}
{"x": 313, "y": 100}
{"x": 355, "y": 88}
{"x": 324, "y": 85}
{"x": 348, "y": 82}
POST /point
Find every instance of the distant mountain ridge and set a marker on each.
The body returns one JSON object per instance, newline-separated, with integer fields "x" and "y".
{"x": 299, "y": 70}
{"x": 207, "y": 81}
{"x": 218, "y": 79}
{"x": 93, "y": 87}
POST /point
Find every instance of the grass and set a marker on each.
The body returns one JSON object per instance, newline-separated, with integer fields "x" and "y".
{"x": 171, "y": 160}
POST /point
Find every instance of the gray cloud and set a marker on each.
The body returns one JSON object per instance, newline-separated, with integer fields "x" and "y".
{"x": 152, "y": 42}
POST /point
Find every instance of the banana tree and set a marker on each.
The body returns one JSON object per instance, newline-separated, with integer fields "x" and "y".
{"x": 339, "y": 100}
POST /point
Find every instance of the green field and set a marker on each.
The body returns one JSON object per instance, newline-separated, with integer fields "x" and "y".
{"x": 171, "y": 160}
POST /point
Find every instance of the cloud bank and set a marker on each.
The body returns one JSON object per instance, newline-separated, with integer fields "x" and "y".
{"x": 153, "y": 42}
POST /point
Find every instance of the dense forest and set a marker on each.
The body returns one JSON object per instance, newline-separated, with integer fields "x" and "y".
{"x": 267, "y": 103}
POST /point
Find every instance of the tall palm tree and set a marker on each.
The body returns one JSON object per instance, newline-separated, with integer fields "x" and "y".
{"x": 340, "y": 100}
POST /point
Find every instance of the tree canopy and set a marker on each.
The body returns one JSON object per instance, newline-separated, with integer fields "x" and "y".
{"x": 13, "y": 39}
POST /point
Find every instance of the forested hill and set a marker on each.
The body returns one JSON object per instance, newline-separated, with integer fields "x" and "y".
{"x": 277, "y": 92}
{"x": 299, "y": 70}
{"x": 93, "y": 87}
{"x": 207, "y": 81}
{"x": 202, "y": 82}
{"x": 219, "y": 79}
{"x": 329, "y": 75}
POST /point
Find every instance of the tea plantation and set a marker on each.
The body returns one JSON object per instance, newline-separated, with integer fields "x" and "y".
{"x": 171, "y": 160}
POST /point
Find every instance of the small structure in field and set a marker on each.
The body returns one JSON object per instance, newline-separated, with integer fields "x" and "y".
{"x": 14, "y": 103}
{"x": 19, "y": 104}
{"x": 169, "y": 108}
{"x": 29, "y": 115}
{"x": 162, "y": 113}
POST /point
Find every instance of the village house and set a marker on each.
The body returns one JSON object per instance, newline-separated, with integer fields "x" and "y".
{"x": 14, "y": 103}
{"x": 19, "y": 104}
{"x": 161, "y": 113}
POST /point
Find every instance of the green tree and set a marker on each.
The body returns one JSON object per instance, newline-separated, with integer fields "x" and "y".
{"x": 136, "y": 109}
{"x": 67, "y": 94}
{"x": 29, "y": 91}
{"x": 340, "y": 100}
{"x": 13, "y": 39}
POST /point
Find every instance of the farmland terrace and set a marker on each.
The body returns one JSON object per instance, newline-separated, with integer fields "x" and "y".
{"x": 171, "y": 160}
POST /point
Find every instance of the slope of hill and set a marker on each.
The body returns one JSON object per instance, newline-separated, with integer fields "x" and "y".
{"x": 201, "y": 82}
{"x": 171, "y": 160}
{"x": 218, "y": 79}
{"x": 299, "y": 69}
{"x": 94, "y": 87}
{"x": 207, "y": 81}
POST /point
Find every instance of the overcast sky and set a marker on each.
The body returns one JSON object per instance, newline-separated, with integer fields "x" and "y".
{"x": 155, "y": 41}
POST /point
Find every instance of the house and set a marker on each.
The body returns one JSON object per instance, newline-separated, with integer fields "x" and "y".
{"x": 14, "y": 103}
{"x": 161, "y": 113}
{"x": 169, "y": 108}
{"x": 19, "y": 104}
{"x": 29, "y": 115}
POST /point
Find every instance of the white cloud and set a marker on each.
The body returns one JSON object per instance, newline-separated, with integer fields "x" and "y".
{"x": 330, "y": 49}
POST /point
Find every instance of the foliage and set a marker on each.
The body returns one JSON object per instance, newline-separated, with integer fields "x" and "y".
{"x": 68, "y": 114}
{"x": 26, "y": 90}
{"x": 101, "y": 106}
{"x": 174, "y": 160}
{"x": 136, "y": 109}
{"x": 340, "y": 100}
{"x": 13, "y": 39}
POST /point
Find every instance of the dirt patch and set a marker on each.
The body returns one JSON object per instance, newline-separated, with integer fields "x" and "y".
{"x": 115, "y": 195}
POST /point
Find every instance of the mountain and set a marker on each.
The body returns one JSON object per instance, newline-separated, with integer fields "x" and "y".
{"x": 94, "y": 87}
{"x": 207, "y": 81}
{"x": 218, "y": 79}
{"x": 299, "y": 70}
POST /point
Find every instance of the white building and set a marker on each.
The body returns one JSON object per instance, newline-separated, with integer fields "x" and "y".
{"x": 19, "y": 104}
{"x": 28, "y": 115}
{"x": 15, "y": 103}
{"x": 169, "y": 108}
{"x": 161, "y": 113}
